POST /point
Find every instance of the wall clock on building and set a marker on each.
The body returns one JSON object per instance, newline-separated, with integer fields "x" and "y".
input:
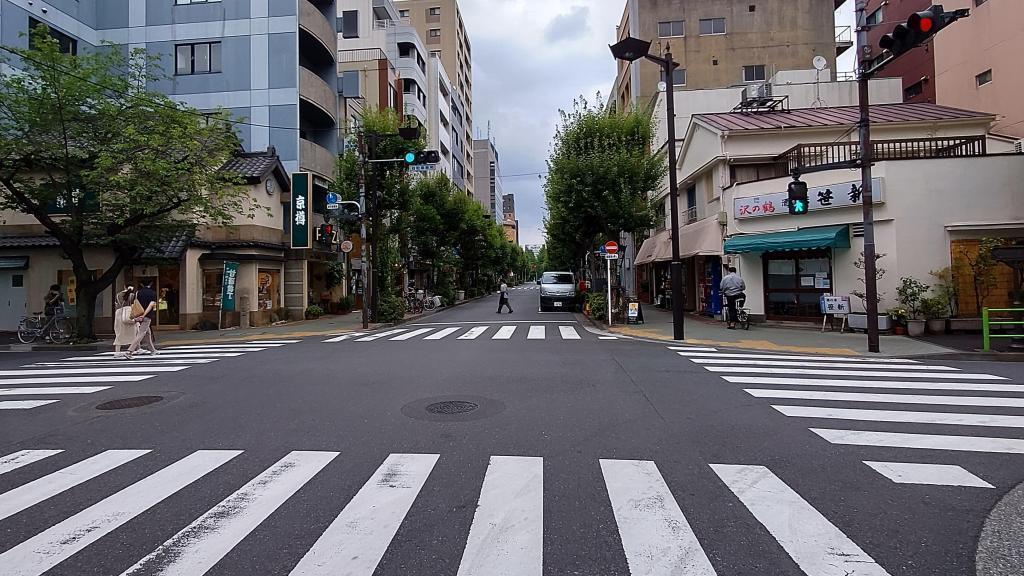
{"x": 269, "y": 184}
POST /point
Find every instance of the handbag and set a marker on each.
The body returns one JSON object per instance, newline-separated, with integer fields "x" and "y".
{"x": 124, "y": 315}
{"x": 137, "y": 309}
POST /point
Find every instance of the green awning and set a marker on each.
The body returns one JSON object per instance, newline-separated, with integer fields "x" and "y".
{"x": 804, "y": 239}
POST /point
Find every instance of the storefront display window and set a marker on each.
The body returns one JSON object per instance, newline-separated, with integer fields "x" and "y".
{"x": 212, "y": 284}
{"x": 269, "y": 282}
{"x": 794, "y": 283}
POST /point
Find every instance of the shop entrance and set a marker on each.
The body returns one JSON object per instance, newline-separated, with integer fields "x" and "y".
{"x": 794, "y": 283}
{"x": 166, "y": 280}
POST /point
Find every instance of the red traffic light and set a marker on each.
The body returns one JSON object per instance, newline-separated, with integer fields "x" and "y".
{"x": 922, "y": 22}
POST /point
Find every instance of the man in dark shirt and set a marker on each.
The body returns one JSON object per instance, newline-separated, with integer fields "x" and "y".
{"x": 146, "y": 298}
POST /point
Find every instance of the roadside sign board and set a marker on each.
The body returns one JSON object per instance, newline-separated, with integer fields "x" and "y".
{"x": 227, "y": 297}
{"x": 423, "y": 167}
{"x": 634, "y": 309}
{"x": 611, "y": 256}
{"x": 611, "y": 247}
{"x": 346, "y": 246}
{"x": 835, "y": 305}
{"x": 301, "y": 185}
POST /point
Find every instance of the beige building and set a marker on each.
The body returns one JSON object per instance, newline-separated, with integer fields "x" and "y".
{"x": 720, "y": 43}
{"x": 439, "y": 23}
{"x": 735, "y": 168}
{"x": 187, "y": 271}
{"x": 977, "y": 62}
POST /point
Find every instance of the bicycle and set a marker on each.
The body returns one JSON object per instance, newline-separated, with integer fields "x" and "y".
{"x": 413, "y": 304}
{"x": 59, "y": 328}
{"x": 742, "y": 312}
{"x": 431, "y": 302}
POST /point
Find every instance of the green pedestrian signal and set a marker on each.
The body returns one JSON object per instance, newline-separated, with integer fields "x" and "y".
{"x": 410, "y": 157}
{"x": 798, "y": 203}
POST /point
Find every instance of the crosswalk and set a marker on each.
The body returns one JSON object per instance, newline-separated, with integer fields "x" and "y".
{"x": 46, "y": 382}
{"x": 505, "y": 536}
{"x": 525, "y": 287}
{"x": 472, "y": 331}
{"x": 903, "y": 403}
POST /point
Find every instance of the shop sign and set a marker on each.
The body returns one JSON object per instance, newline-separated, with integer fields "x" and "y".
{"x": 835, "y": 305}
{"x": 301, "y": 185}
{"x": 227, "y": 297}
{"x": 842, "y": 195}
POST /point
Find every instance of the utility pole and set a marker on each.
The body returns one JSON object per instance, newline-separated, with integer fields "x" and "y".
{"x": 870, "y": 278}
{"x": 676, "y": 267}
{"x": 365, "y": 272}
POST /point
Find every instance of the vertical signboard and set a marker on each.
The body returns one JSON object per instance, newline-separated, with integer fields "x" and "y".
{"x": 227, "y": 297}
{"x": 302, "y": 183}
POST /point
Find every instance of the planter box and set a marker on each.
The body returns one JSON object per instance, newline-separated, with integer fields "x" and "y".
{"x": 915, "y": 327}
{"x": 860, "y": 322}
{"x": 965, "y": 324}
{"x": 936, "y": 326}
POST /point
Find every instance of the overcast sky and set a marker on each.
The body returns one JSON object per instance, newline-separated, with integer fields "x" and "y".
{"x": 530, "y": 58}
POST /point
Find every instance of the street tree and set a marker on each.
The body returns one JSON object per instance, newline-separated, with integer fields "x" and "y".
{"x": 601, "y": 176}
{"x": 100, "y": 161}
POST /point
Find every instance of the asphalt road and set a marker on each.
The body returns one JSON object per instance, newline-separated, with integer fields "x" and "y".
{"x": 582, "y": 455}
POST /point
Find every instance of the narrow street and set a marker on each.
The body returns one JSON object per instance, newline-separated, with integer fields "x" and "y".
{"x": 524, "y": 444}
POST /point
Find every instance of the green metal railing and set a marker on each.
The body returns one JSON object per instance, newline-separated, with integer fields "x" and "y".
{"x": 986, "y": 323}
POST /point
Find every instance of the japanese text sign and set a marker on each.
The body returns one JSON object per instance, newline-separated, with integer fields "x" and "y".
{"x": 835, "y": 305}
{"x": 301, "y": 185}
{"x": 842, "y": 195}
{"x": 227, "y": 297}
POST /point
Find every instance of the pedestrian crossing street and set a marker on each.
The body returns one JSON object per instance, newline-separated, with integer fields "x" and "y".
{"x": 473, "y": 331}
{"x": 46, "y": 382}
{"x": 505, "y": 535}
{"x": 903, "y": 403}
{"x": 525, "y": 287}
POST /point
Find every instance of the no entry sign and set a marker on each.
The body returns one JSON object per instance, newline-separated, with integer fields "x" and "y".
{"x": 611, "y": 247}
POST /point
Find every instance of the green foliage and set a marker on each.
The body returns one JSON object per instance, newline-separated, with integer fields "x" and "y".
{"x": 127, "y": 168}
{"x": 392, "y": 308}
{"x": 346, "y": 304}
{"x": 598, "y": 305}
{"x": 983, "y": 270}
{"x": 335, "y": 274}
{"x": 601, "y": 174}
{"x": 945, "y": 287}
{"x": 898, "y": 315}
{"x": 934, "y": 307}
{"x": 879, "y": 274}
{"x": 313, "y": 312}
{"x": 909, "y": 294}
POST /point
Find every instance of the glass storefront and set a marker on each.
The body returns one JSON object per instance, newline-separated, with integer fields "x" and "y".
{"x": 269, "y": 289}
{"x": 794, "y": 283}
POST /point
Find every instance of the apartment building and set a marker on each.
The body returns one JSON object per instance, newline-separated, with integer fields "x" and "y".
{"x": 720, "y": 43}
{"x": 509, "y": 221}
{"x": 439, "y": 23}
{"x": 271, "y": 64}
{"x": 487, "y": 188}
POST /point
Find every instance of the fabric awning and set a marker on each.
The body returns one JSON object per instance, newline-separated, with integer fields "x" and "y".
{"x": 803, "y": 239}
{"x": 654, "y": 249}
{"x": 702, "y": 238}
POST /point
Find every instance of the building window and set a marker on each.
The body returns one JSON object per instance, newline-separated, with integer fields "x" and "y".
{"x": 876, "y": 17}
{"x": 403, "y": 13}
{"x": 671, "y": 28}
{"x": 710, "y": 26}
{"x": 200, "y": 58}
{"x": 754, "y": 73}
{"x": 914, "y": 90}
{"x": 435, "y": 32}
{"x": 984, "y": 78}
{"x": 678, "y": 77}
{"x": 435, "y": 11}
{"x": 66, "y": 44}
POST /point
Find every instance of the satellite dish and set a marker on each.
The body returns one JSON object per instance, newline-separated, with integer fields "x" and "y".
{"x": 819, "y": 62}
{"x": 662, "y": 86}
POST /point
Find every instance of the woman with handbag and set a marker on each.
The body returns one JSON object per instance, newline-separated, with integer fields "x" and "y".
{"x": 125, "y": 327}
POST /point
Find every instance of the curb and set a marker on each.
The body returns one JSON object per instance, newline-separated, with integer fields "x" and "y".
{"x": 974, "y": 356}
{"x": 434, "y": 313}
{"x": 999, "y": 552}
{"x": 51, "y": 347}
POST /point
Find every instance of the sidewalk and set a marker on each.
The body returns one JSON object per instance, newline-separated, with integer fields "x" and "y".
{"x": 810, "y": 340}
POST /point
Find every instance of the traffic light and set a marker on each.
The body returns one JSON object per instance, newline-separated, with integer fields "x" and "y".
{"x": 326, "y": 234}
{"x": 798, "y": 204}
{"x": 423, "y": 157}
{"x": 920, "y": 27}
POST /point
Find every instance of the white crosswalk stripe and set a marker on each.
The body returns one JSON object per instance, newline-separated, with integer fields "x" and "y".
{"x": 483, "y": 331}
{"x": 380, "y": 335}
{"x": 412, "y": 334}
{"x": 505, "y": 536}
{"x": 440, "y": 334}
{"x": 849, "y": 383}
{"x": 474, "y": 333}
{"x": 52, "y": 377}
{"x": 568, "y": 333}
{"x": 536, "y": 333}
{"x": 504, "y": 333}
{"x": 343, "y": 337}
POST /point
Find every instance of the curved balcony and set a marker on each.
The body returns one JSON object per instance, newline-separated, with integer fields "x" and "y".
{"x": 323, "y": 99}
{"x": 316, "y": 33}
{"x": 316, "y": 159}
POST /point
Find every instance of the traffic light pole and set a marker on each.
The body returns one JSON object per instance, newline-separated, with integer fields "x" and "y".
{"x": 870, "y": 277}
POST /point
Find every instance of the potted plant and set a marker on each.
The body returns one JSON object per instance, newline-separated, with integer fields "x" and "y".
{"x": 898, "y": 316}
{"x": 935, "y": 309}
{"x": 909, "y": 294}
{"x": 860, "y": 320}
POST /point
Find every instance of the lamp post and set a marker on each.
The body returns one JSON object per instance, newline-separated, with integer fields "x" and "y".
{"x": 631, "y": 49}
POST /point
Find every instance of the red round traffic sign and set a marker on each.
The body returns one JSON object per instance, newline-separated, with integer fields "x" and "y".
{"x": 611, "y": 248}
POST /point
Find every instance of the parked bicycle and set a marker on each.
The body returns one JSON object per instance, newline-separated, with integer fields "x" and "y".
{"x": 413, "y": 302}
{"x": 58, "y": 328}
{"x": 431, "y": 302}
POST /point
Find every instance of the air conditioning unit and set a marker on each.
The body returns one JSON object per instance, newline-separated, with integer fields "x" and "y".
{"x": 759, "y": 91}
{"x": 1018, "y": 146}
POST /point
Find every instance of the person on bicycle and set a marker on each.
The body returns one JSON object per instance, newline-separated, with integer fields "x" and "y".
{"x": 733, "y": 287}
{"x": 53, "y": 302}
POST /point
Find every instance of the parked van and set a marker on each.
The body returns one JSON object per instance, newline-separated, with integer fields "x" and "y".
{"x": 557, "y": 291}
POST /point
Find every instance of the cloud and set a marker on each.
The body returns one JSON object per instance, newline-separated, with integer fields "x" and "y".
{"x": 524, "y": 73}
{"x": 568, "y": 26}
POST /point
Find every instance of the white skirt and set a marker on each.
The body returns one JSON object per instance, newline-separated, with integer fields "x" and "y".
{"x": 124, "y": 334}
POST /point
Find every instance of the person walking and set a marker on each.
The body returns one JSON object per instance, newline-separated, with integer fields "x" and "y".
{"x": 503, "y": 298}
{"x": 147, "y": 300}
{"x": 125, "y": 327}
{"x": 733, "y": 287}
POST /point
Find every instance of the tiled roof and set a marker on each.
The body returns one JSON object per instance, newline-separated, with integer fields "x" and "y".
{"x": 240, "y": 244}
{"x": 171, "y": 249}
{"x": 28, "y": 241}
{"x": 255, "y": 166}
{"x": 835, "y": 116}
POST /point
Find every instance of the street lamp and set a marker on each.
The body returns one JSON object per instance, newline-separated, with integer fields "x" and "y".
{"x": 631, "y": 49}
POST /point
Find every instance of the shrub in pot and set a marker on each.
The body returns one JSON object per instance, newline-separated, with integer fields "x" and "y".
{"x": 935, "y": 310}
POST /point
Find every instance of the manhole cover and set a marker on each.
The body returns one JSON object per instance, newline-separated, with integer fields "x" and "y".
{"x": 452, "y": 407}
{"x": 133, "y": 402}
